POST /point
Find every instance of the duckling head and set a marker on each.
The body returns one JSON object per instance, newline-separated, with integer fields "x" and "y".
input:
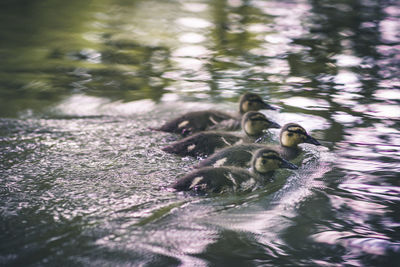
{"x": 255, "y": 123}
{"x": 266, "y": 160}
{"x": 252, "y": 102}
{"x": 293, "y": 134}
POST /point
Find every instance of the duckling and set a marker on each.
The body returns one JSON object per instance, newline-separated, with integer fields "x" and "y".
{"x": 292, "y": 134}
{"x": 220, "y": 179}
{"x": 240, "y": 155}
{"x": 198, "y": 121}
{"x": 205, "y": 143}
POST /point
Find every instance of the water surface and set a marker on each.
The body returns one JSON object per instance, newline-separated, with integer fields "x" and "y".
{"x": 84, "y": 181}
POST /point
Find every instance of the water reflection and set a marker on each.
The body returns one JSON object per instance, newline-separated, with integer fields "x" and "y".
{"x": 82, "y": 105}
{"x": 83, "y": 175}
{"x": 191, "y": 38}
{"x": 194, "y": 23}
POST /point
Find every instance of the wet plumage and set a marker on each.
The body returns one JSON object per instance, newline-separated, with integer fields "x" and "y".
{"x": 221, "y": 179}
{"x": 205, "y": 143}
{"x": 197, "y": 121}
{"x": 240, "y": 155}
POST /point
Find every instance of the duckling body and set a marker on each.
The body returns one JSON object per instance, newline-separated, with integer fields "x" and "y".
{"x": 197, "y": 121}
{"x": 216, "y": 180}
{"x": 205, "y": 143}
{"x": 221, "y": 179}
{"x": 202, "y": 144}
{"x": 237, "y": 155}
{"x": 291, "y": 135}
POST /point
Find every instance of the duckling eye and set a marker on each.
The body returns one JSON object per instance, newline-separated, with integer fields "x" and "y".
{"x": 263, "y": 161}
{"x": 290, "y": 134}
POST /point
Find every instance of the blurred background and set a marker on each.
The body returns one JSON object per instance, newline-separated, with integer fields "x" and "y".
{"x": 82, "y": 178}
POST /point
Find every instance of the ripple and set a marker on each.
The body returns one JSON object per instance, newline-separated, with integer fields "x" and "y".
{"x": 349, "y": 240}
{"x": 83, "y": 179}
{"x": 83, "y": 105}
{"x": 307, "y": 103}
{"x": 347, "y": 60}
{"x": 347, "y": 81}
{"x": 380, "y": 110}
{"x": 378, "y": 191}
{"x": 346, "y": 119}
{"x": 387, "y": 94}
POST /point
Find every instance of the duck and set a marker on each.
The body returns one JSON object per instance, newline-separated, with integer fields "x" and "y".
{"x": 291, "y": 135}
{"x": 231, "y": 178}
{"x": 198, "y": 121}
{"x": 206, "y": 143}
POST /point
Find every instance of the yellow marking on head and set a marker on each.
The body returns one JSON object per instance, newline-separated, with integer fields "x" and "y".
{"x": 251, "y": 106}
{"x": 249, "y": 102}
{"x": 244, "y": 106}
{"x": 264, "y": 165}
{"x": 297, "y": 129}
{"x": 256, "y": 127}
{"x": 292, "y": 139}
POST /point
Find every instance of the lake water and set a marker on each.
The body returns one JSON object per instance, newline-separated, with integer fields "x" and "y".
{"x": 84, "y": 181}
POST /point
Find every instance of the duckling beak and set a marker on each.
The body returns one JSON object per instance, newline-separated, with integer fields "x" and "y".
{"x": 274, "y": 125}
{"x": 312, "y": 140}
{"x": 288, "y": 165}
{"x": 268, "y": 106}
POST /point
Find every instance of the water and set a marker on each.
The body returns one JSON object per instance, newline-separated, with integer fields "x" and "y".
{"x": 84, "y": 181}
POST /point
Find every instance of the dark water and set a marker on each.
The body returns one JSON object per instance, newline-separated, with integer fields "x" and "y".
{"x": 83, "y": 179}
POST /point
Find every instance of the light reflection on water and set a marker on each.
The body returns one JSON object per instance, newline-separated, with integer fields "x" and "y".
{"x": 84, "y": 180}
